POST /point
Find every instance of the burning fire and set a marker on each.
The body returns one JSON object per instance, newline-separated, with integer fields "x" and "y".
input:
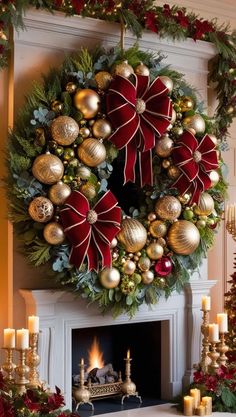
{"x": 95, "y": 356}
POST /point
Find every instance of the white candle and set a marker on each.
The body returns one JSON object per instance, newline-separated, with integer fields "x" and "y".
{"x": 213, "y": 332}
{"x": 207, "y": 402}
{"x": 222, "y": 320}
{"x": 33, "y": 324}
{"x": 206, "y": 303}
{"x": 188, "y": 405}
{"x": 196, "y": 394}
{"x": 22, "y": 339}
{"x": 9, "y": 338}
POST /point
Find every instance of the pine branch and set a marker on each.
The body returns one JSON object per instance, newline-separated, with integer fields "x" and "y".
{"x": 38, "y": 253}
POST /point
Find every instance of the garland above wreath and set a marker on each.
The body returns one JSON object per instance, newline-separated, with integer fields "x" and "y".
{"x": 115, "y": 180}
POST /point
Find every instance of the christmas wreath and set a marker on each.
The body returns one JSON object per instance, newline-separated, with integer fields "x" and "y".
{"x": 115, "y": 178}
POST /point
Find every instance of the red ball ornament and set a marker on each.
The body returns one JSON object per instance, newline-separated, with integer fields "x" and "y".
{"x": 163, "y": 266}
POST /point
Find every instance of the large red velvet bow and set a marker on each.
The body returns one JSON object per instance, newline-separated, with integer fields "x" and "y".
{"x": 138, "y": 112}
{"x": 195, "y": 160}
{"x": 90, "y": 231}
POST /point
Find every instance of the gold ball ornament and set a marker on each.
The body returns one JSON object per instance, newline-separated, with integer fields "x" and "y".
{"x": 186, "y": 104}
{"x": 101, "y": 129}
{"x": 56, "y": 106}
{"x": 195, "y": 122}
{"x": 164, "y": 146}
{"x": 92, "y": 152}
{"x": 71, "y": 87}
{"x": 155, "y": 251}
{"x": 123, "y": 69}
{"x": 58, "y": 193}
{"x": 88, "y": 190}
{"x": 142, "y": 69}
{"x": 183, "y": 237}
{"x": 147, "y": 277}
{"x": 173, "y": 172}
{"x": 113, "y": 243}
{"x": 87, "y": 101}
{"x": 214, "y": 177}
{"x": 64, "y": 130}
{"x": 177, "y": 130}
{"x": 167, "y": 82}
{"x": 83, "y": 172}
{"x": 168, "y": 208}
{"x": 110, "y": 278}
{"x": 144, "y": 263}
{"x": 129, "y": 267}
{"x": 53, "y": 233}
{"x": 184, "y": 198}
{"x": 151, "y": 217}
{"x": 132, "y": 235}
{"x": 213, "y": 138}
{"x": 84, "y": 132}
{"x": 166, "y": 163}
{"x": 205, "y": 205}
{"x": 103, "y": 80}
{"x": 158, "y": 228}
{"x": 48, "y": 168}
{"x": 41, "y": 209}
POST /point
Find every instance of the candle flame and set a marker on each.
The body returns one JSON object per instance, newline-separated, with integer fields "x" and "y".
{"x": 95, "y": 356}
{"x": 128, "y": 354}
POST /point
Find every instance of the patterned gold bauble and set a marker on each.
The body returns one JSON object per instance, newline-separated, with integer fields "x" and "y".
{"x": 147, "y": 277}
{"x": 92, "y": 152}
{"x": 123, "y": 69}
{"x": 133, "y": 235}
{"x": 142, "y": 69}
{"x": 205, "y": 205}
{"x": 173, "y": 172}
{"x": 155, "y": 251}
{"x": 168, "y": 208}
{"x": 195, "y": 122}
{"x": 214, "y": 177}
{"x": 83, "y": 172}
{"x": 184, "y": 198}
{"x": 183, "y": 237}
{"x": 58, "y": 193}
{"x": 164, "y": 146}
{"x": 84, "y": 132}
{"x": 87, "y": 101}
{"x": 88, "y": 190}
{"x": 110, "y": 278}
{"x": 144, "y": 263}
{"x": 129, "y": 267}
{"x": 167, "y": 82}
{"x": 56, "y": 106}
{"x": 173, "y": 117}
{"x": 158, "y": 228}
{"x": 71, "y": 87}
{"x": 213, "y": 138}
{"x": 41, "y": 209}
{"x": 64, "y": 130}
{"x": 101, "y": 129}
{"x": 103, "y": 80}
{"x": 186, "y": 104}
{"x": 48, "y": 168}
{"x": 53, "y": 233}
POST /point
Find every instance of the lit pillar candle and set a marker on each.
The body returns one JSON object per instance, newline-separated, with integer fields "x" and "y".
{"x": 188, "y": 405}
{"x": 196, "y": 395}
{"x": 206, "y": 303}
{"x": 222, "y": 320}
{"x": 213, "y": 333}
{"x": 207, "y": 402}
{"x": 33, "y": 324}
{"x": 22, "y": 339}
{"x": 9, "y": 338}
{"x": 201, "y": 410}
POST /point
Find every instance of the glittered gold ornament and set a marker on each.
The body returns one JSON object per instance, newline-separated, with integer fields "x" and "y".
{"x": 123, "y": 69}
{"x": 129, "y": 267}
{"x": 103, "y": 80}
{"x": 87, "y": 101}
{"x": 186, "y": 104}
{"x": 71, "y": 87}
{"x": 195, "y": 122}
{"x": 184, "y": 198}
{"x": 158, "y": 228}
{"x": 133, "y": 235}
{"x": 41, "y": 209}
{"x": 142, "y": 69}
{"x": 155, "y": 251}
{"x": 92, "y": 152}
{"x": 213, "y": 138}
{"x": 144, "y": 263}
{"x": 58, "y": 193}
{"x": 110, "y": 278}
{"x": 173, "y": 172}
{"x": 205, "y": 205}
{"x": 168, "y": 208}
{"x": 48, "y": 168}
{"x": 84, "y": 132}
{"x": 167, "y": 82}
{"x": 83, "y": 172}
{"x": 214, "y": 177}
{"x": 64, "y": 130}
{"x": 101, "y": 129}
{"x": 147, "y": 277}
{"x": 88, "y": 190}
{"x": 53, "y": 233}
{"x": 56, "y": 106}
{"x": 164, "y": 146}
{"x": 183, "y": 237}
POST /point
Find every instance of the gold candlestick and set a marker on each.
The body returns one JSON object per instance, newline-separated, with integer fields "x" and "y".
{"x": 205, "y": 357}
{"x": 9, "y": 366}
{"x": 214, "y": 355}
{"x": 128, "y": 387}
{"x": 82, "y": 394}
{"x": 222, "y": 348}
{"x": 33, "y": 361}
{"x": 21, "y": 371}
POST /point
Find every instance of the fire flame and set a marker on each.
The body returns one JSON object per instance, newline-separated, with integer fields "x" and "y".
{"x": 95, "y": 356}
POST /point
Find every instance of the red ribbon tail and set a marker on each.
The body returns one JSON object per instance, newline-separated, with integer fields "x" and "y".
{"x": 92, "y": 255}
{"x": 145, "y": 168}
{"x": 130, "y": 161}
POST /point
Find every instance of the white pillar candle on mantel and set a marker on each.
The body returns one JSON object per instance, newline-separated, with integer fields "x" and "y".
{"x": 22, "y": 339}
{"x": 222, "y": 320}
{"x": 206, "y": 303}
{"x": 33, "y": 324}
{"x": 9, "y": 338}
{"x": 213, "y": 333}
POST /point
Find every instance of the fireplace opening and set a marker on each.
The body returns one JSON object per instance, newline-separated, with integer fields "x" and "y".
{"x": 109, "y": 345}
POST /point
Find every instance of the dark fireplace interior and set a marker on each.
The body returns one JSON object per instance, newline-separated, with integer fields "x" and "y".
{"x": 144, "y": 342}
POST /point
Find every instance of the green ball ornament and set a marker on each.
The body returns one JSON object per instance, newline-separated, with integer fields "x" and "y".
{"x": 188, "y": 214}
{"x": 69, "y": 153}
